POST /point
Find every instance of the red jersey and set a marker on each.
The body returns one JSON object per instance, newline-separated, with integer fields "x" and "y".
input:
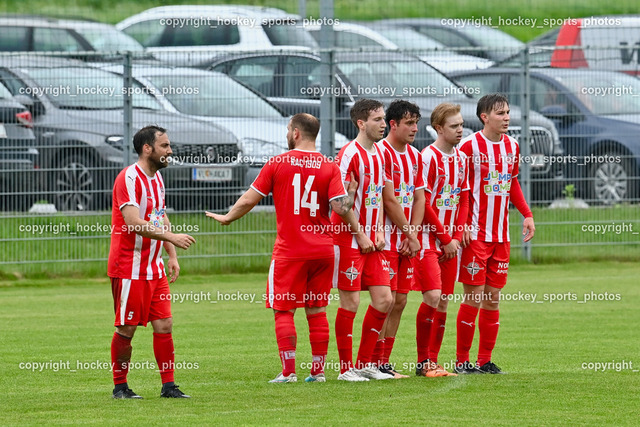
{"x": 405, "y": 171}
{"x": 445, "y": 177}
{"x": 132, "y": 256}
{"x": 303, "y": 183}
{"x": 369, "y": 171}
{"x": 492, "y": 166}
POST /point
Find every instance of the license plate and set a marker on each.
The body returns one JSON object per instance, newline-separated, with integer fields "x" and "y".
{"x": 3, "y": 131}
{"x": 537, "y": 160}
{"x": 212, "y": 174}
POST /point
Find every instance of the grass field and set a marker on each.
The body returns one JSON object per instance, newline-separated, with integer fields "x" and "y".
{"x": 226, "y": 353}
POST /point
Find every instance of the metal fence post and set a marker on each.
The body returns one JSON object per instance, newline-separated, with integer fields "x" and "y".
{"x": 327, "y": 101}
{"x": 525, "y": 141}
{"x": 127, "y": 111}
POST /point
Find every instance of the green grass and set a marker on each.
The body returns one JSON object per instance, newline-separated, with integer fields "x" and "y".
{"x": 542, "y": 346}
{"x": 116, "y": 10}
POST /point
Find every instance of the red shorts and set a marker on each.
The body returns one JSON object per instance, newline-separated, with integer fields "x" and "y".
{"x": 355, "y": 271}
{"x": 299, "y": 283}
{"x": 485, "y": 263}
{"x": 432, "y": 274}
{"x": 137, "y": 302}
{"x": 401, "y": 270}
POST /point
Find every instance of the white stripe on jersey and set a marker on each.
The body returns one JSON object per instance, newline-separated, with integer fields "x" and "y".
{"x": 476, "y": 188}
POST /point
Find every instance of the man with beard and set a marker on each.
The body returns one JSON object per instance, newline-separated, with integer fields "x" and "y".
{"x": 304, "y": 184}
{"x": 140, "y": 229}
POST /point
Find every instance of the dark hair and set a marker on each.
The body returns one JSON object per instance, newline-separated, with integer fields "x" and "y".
{"x": 308, "y": 125}
{"x": 489, "y": 102}
{"x": 146, "y": 135}
{"x": 442, "y": 111}
{"x": 399, "y": 109}
{"x": 362, "y": 108}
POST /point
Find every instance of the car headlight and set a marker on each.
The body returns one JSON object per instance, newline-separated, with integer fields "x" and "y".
{"x": 258, "y": 151}
{"x": 116, "y": 141}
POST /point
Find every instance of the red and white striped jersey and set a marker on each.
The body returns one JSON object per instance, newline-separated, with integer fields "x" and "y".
{"x": 445, "y": 177}
{"x": 132, "y": 256}
{"x": 492, "y": 166}
{"x": 405, "y": 171}
{"x": 368, "y": 170}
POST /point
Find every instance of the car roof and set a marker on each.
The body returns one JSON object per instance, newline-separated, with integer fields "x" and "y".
{"x": 38, "y": 60}
{"x": 340, "y": 56}
{"x": 204, "y": 11}
{"x": 141, "y": 70}
{"x": 549, "y": 72}
{"x": 48, "y": 21}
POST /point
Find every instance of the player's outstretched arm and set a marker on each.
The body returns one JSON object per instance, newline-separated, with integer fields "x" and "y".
{"x": 131, "y": 216}
{"x": 243, "y": 205}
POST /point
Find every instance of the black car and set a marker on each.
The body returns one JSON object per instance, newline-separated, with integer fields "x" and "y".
{"x": 18, "y": 155}
{"x": 79, "y": 123}
{"x": 292, "y": 82}
{"x": 597, "y": 114}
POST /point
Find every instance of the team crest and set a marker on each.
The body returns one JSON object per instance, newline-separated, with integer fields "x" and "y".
{"x": 473, "y": 268}
{"x": 391, "y": 273}
{"x": 351, "y": 273}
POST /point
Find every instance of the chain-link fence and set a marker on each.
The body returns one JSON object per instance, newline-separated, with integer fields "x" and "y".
{"x": 68, "y": 118}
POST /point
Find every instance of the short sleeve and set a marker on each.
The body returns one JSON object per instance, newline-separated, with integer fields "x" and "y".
{"x": 127, "y": 190}
{"x": 263, "y": 183}
{"x": 336, "y": 185}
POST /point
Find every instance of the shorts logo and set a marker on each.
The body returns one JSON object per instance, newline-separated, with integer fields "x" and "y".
{"x": 391, "y": 273}
{"x": 473, "y": 268}
{"x": 351, "y": 273}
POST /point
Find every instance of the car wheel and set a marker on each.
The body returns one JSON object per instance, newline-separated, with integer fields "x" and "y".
{"x": 75, "y": 184}
{"x": 610, "y": 183}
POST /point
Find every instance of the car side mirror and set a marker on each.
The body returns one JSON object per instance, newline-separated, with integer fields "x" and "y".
{"x": 34, "y": 105}
{"x": 554, "y": 112}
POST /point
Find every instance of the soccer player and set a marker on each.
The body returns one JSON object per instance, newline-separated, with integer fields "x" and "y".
{"x": 403, "y": 199}
{"x": 304, "y": 184}
{"x": 140, "y": 229}
{"x": 356, "y": 268}
{"x": 493, "y": 182}
{"x": 445, "y": 176}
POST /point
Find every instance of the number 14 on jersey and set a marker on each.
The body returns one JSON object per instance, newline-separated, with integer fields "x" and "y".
{"x": 309, "y": 198}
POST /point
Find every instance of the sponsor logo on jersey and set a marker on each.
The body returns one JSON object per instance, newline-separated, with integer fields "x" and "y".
{"x": 497, "y": 184}
{"x": 404, "y": 194}
{"x": 156, "y": 218}
{"x": 449, "y": 197}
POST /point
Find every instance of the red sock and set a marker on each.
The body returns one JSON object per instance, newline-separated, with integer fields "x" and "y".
{"x": 120, "y": 357}
{"x": 163, "y": 350}
{"x": 378, "y": 352}
{"x": 437, "y": 334}
{"x": 465, "y": 328}
{"x": 287, "y": 340}
{"x": 424, "y": 320}
{"x": 388, "y": 347}
{"x": 344, "y": 338}
{"x": 488, "y": 324}
{"x": 319, "y": 339}
{"x": 371, "y": 326}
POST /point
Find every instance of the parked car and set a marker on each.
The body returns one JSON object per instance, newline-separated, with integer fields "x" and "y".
{"x": 187, "y": 35}
{"x": 472, "y": 37}
{"x": 292, "y": 81}
{"x": 597, "y": 114}
{"x": 79, "y": 39}
{"x": 261, "y": 127}
{"x": 79, "y": 125}
{"x": 358, "y": 36}
{"x": 18, "y": 155}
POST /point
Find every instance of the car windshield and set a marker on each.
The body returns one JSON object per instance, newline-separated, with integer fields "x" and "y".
{"x": 396, "y": 78}
{"x": 214, "y": 95}
{"x": 108, "y": 39}
{"x": 491, "y": 37}
{"x": 605, "y": 92}
{"x": 4, "y": 92}
{"x": 87, "y": 89}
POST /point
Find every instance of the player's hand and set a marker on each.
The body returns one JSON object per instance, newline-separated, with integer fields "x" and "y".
{"x": 466, "y": 236}
{"x": 365, "y": 243}
{"x": 182, "y": 241}
{"x": 380, "y": 240}
{"x": 528, "y": 229}
{"x": 353, "y": 185}
{"x": 174, "y": 269}
{"x": 222, "y": 219}
{"x": 410, "y": 246}
{"x": 450, "y": 250}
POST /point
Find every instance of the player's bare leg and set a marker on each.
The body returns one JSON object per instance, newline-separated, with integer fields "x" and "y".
{"x": 466, "y": 326}
{"x": 381, "y": 301}
{"x": 388, "y": 334}
{"x": 120, "y": 358}
{"x": 349, "y": 302}
{"x": 319, "y": 339}
{"x": 488, "y": 325}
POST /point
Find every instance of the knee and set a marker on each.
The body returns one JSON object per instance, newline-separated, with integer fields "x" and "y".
{"x": 400, "y": 302}
{"x": 163, "y": 326}
{"x": 126, "y": 330}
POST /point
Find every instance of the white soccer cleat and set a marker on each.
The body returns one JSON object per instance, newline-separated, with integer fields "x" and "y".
{"x": 351, "y": 375}
{"x": 319, "y": 378}
{"x": 372, "y": 372}
{"x": 292, "y": 378}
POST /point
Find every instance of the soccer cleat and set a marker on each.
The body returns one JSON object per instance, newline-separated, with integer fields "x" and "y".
{"x": 372, "y": 372}
{"x": 318, "y": 378}
{"x": 388, "y": 368}
{"x": 467, "y": 368}
{"x": 292, "y": 378}
{"x": 351, "y": 375}
{"x": 490, "y": 368}
{"x": 173, "y": 392}
{"x": 125, "y": 393}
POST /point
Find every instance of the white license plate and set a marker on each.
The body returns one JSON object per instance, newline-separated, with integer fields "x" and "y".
{"x": 212, "y": 174}
{"x": 3, "y": 131}
{"x": 537, "y": 160}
